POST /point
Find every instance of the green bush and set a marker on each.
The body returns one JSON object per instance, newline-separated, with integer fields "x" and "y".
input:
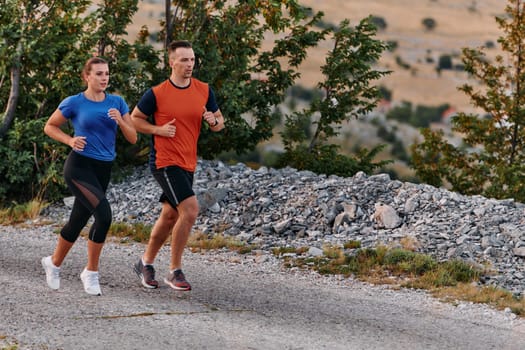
{"x": 445, "y": 62}
{"x": 29, "y": 163}
{"x": 379, "y": 22}
{"x": 326, "y": 160}
{"x": 429, "y": 23}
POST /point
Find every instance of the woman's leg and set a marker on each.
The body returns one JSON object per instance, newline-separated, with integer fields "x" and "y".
{"x": 88, "y": 180}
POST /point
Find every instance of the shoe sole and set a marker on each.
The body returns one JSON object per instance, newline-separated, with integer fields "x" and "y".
{"x": 142, "y": 280}
{"x": 183, "y": 289}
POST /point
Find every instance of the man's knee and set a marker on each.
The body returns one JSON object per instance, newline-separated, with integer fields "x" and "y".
{"x": 168, "y": 215}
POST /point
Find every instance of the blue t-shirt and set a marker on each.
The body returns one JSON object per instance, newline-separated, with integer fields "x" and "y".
{"x": 91, "y": 119}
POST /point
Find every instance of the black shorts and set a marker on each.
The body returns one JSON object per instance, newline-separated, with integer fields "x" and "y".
{"x": 176, "y": 184}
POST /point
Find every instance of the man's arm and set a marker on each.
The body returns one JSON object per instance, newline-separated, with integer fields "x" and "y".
{"x": 141, "y": 123}
{"x": 215, "y": 120}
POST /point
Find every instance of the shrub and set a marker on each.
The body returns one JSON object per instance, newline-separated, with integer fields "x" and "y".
{"x": 379, "y": 22}
{"x": 445, "y": 62}
{"x": 392, "y": 45}
{"x": 429, "y": 23}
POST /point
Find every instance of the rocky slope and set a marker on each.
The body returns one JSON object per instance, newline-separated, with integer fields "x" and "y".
{"x": 272, "y": 207}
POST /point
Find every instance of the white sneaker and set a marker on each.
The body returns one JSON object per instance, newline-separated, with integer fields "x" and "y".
{"x": 52, "y": 273}
{"x": 90, "y": 281}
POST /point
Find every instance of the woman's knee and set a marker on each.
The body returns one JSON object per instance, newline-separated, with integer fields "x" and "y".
{"x": 103, "y": 220}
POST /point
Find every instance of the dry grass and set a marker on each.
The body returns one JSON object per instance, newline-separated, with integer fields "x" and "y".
{"x": 21, "y": 212}
{"x": 137, "y": 232}
{"x": 497, "y": 298}
{"x": 199, "y": 241}
{"x": 450, "y": 281}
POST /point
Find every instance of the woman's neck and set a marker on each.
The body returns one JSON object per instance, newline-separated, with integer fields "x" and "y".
{"x": 96, "y": 96}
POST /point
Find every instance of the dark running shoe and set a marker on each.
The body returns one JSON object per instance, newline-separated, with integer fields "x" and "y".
{"x": 177, "y": 281}
{"x": 146, "y": 274}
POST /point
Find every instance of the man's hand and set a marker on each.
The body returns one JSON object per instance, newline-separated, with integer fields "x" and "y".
{"x": 167, "y": 130}
{"x": 210, "y": 118}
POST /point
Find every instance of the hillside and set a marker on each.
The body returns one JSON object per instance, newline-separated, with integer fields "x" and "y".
{"x": 459, "y": 24}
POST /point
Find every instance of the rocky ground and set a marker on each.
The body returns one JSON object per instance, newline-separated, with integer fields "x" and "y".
{"x": 271, "y": 208}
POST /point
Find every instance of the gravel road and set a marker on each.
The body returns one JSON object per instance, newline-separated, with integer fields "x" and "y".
{"x": 236, "y": 303}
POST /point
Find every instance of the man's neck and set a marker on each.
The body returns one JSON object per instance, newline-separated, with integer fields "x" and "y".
{"x": 180, "y": 81}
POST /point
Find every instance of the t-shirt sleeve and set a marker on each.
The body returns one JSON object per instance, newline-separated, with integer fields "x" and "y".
{"x": 122, "y": 106}
{"x": 211, "y": 105}
{"x": 147, "y": 103}
{"x": 67, "y": 107}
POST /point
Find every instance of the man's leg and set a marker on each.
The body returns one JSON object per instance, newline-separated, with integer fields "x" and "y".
{"x": 188, "y": 210}
{"x": 160, "y": 232}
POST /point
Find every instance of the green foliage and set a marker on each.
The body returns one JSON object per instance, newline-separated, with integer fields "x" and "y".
{"x": 385, "y": 93}
{"x": 381, "y": 263}
{"x": 491, "y": 159}
{"x": 347, "y": 94}
{"x": 352, "y": 244}
{"x": 325, "y": 159}
{"x": 138, "y": 232}
{"x": 27, "y": 162}
{"x": 48, "y": 42}
{"x": 409, "y": 262}
{"x": 401, "y": 63}
{"x": 379, "y": 22}
{"x": 422, "y": 116}
{"x": 402, "y": 113}
{"x": 305, "y": 94}
{"x": 249, "y": 80}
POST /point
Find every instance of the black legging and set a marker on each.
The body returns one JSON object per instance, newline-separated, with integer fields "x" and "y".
{"x": 88, "y": 180}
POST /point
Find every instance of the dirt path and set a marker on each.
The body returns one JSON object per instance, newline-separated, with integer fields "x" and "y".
{"x": 235, "y": 304}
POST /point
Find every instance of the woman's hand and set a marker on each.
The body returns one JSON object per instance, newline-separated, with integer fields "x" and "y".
{"x": 114, "y": 114}
{"x": 78, "y": 143}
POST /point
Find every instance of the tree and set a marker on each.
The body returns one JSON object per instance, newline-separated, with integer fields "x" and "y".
{"x": 249, "y": 80}
{"x": 491, "y": 160}
{"x": 347, "y": 93}
{"x": 56, "y": 36}
{"x": 44, "y": 46}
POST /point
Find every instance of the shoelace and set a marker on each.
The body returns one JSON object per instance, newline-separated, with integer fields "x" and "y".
{"x": 55, "y": 272}
{"x": 150, "y": 272}
{"x": 92, "y": 279}
{"x": 179, "y": 276}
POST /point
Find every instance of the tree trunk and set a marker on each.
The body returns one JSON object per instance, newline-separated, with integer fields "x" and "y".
{"x": 169, "y": 25}
{"x": 12, "y": 102}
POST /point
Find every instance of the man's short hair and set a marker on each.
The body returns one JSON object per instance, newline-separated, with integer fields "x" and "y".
{"x": 174, "y": 45}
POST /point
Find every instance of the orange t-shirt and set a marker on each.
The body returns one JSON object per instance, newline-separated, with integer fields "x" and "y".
{"x": 186, "y": 106}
